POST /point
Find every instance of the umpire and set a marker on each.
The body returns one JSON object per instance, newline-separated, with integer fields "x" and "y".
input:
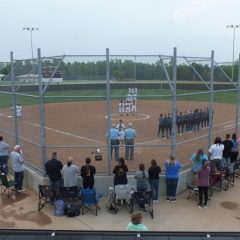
{"x": 130, "y": 135}
{"x": 114, "y": 141}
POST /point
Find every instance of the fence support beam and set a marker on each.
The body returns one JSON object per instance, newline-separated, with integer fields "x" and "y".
{"x": 210, "y": 110}
{"x": 238, "y": 97}
{"x": 174, "y": 100}
{"x": 14, "y": 99}
{"x": 41, "y": 111}
{"x": 108, "y": 110}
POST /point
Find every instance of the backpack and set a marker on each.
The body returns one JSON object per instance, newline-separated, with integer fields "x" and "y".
{"x": 59, "y": 208}
{"x": 72, "y": 209}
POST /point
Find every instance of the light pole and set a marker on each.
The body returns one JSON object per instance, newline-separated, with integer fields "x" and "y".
{"x": 31, "y": 29}
{"x": 234, "y": 28}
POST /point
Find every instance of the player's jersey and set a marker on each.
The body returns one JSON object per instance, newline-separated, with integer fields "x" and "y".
{"x": 134, "y": 107}
{"x": 121, "y": 107}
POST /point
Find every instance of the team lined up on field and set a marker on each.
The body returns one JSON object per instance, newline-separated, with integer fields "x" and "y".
{"x": 130, "y": 106}
{"x": 192, "y": 120}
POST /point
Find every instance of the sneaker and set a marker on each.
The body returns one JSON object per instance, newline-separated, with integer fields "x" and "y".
{"x": 156, "y": 201}
{"x": 174, "y": 200}
{"x": 168, "y": 200}
{"x": 205, "y": 205}
{"x": 21, "y": 190}
{"x": 200, "y": 205}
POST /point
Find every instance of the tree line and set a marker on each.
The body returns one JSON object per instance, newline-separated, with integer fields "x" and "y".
{"x": 125, "y": 70}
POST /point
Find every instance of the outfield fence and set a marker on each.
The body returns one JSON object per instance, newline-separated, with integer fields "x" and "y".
{"x": 177, "y": 84}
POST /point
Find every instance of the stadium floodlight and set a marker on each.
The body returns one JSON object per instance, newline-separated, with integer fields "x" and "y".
{"x": 31, "y": 29}
{"x": 234, "y": 29}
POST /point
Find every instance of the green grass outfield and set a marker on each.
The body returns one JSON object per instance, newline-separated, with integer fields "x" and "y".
{"x": 116, "y": 94}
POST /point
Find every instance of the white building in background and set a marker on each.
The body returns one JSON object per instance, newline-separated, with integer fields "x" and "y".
{"x": 33, "y": 78}
{"x": 2, "y": 76}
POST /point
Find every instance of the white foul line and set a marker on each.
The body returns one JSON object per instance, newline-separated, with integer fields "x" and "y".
{"x": 58, "y": 131}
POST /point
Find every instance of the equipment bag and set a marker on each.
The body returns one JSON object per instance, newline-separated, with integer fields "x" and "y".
{"x": 59, "y": 208}
{"x": 72, "y": 209}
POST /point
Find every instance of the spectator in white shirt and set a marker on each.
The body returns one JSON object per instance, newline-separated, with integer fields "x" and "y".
{"x": 215, "y": 154}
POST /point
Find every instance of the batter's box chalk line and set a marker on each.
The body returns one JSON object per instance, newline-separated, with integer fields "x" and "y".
{"x": 136, "y": 117}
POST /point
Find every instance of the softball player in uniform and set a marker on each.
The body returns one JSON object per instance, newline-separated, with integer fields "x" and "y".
{"x": 121, "y": 108}
{"x": 127, "y": 108}
{"x": 134, "y": 107}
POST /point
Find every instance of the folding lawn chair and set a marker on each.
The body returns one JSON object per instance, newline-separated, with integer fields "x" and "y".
{"x": 192, "y": 192}
{"x": 46, "y": 195}
{"x": 70, "y": 196}
{"x": 228, "y": 177}
{"x": 89, "y": 200}
{"x": 7, "y": 185}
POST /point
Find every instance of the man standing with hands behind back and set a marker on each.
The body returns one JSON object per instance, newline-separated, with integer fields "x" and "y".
{"x": 130, "y": 135}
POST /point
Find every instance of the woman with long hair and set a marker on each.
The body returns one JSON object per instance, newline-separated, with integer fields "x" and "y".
{"x": 142, "y": 179}
{"x": 197, "y": 159}
{"x": 87, "y": 172}
{"x": 154, "y": 179}
{"x": 120, "y": 172}
{"x": 172, "y": 175}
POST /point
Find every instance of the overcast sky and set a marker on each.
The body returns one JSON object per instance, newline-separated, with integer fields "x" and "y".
{"x": 195, "y": 27}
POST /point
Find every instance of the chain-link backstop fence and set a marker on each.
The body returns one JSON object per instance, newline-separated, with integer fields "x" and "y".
{"x": 69, "y": 103}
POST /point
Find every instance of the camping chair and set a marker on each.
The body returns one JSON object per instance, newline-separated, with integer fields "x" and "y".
{"x": 46, "y": 195}
{"x": 215, "y": 182}
{"x": 237, "y": 169}
{"x": 89, "y": 200}
{"x": 66, "y": 193}
{"x": 228, "y": 177}
{"x": 7, "y": 185}
{"x": 192, "y": 192}
{"x": 70, "y": 195}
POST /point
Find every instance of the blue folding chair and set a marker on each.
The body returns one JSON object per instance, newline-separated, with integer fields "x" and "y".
{"x": 89, "y": 200}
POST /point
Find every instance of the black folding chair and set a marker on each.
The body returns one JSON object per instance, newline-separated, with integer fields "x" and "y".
{"x": 192, "y": 192}
{"x": 46, "y": 195}
{"x": 228, "y": 177}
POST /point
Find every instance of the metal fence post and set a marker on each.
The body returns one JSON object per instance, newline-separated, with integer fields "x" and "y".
{"x": 14, "y": 99}
{"x": 210, "y": 110}
{"x": 135, "y": 67}
{"x": 41, "y": 111}
{"x": 238, "y": 97}
{"x": 108, "y": 110}
{"x": 174, "y": 99}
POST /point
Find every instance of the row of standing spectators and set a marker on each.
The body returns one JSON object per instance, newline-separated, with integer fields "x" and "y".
{"x": 148, "y": 180}
{"x": 17, "y": 160}
{"x": 192, "y": 120}
{"x": 221, "y": 155}
{"x": 70, "y": 171}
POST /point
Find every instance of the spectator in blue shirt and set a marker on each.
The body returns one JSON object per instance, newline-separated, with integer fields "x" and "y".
{"x": 130, "y": 135}
{"x": 114, "y": 141}
{"x": 172, "y": 169}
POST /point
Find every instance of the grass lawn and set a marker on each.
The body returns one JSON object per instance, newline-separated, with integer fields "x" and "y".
{"x": 116, "y": 94}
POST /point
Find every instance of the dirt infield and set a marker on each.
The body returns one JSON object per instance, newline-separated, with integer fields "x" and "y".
{"x": 77, "y": 129}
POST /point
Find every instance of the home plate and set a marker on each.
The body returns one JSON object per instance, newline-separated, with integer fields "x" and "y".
{"x": 9, "y": 116}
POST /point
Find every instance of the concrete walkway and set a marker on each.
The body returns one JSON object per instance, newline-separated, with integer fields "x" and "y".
{"x": 222, "y": 214}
